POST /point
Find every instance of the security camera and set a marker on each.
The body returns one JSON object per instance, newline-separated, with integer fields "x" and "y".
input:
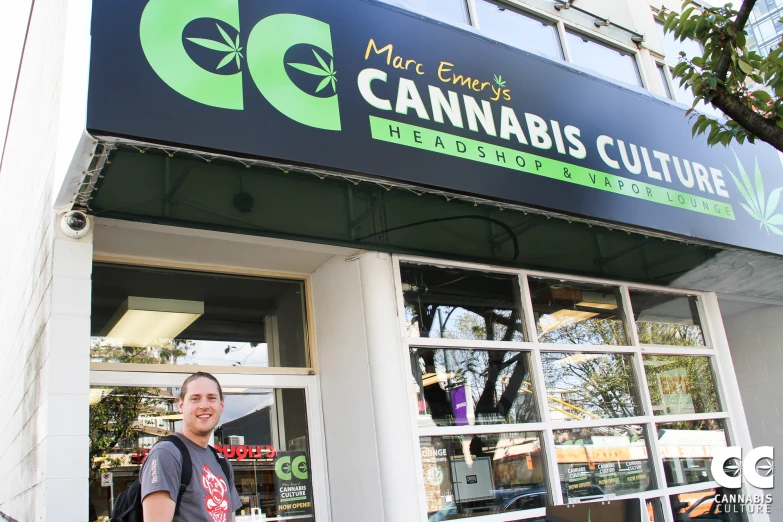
{"x": 75, "y": 224}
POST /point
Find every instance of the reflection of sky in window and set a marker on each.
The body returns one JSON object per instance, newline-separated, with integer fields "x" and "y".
{"x": 672, "y": 46}
{"x": 451, "y": 11}
{"x": 238, "y": 406}
{"x": 602, "y": 59}
{"x": 214, "y": 353}
{"x": 456, "y": 321}
{"x": 516, "y": 29}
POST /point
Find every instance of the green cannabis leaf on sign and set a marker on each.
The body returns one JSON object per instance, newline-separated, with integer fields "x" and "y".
{"x": 499, "y": 80}
{"x": 327, "y": 71}
{"x": 232, "y": 49}
{"x": 758, "y": 205}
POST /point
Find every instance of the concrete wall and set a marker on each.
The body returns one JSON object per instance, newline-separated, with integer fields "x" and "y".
{"x": 44, "y": 301}
{"x": 755, "y": 339}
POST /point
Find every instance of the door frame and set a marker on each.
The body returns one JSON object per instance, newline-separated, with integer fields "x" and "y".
{"x": 310, "y": 383}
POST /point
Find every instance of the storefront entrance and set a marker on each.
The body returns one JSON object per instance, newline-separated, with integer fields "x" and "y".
{"x": 268, "y": 431}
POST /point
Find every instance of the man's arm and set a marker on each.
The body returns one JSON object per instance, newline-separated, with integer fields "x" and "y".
{"x": 158, "y": 507}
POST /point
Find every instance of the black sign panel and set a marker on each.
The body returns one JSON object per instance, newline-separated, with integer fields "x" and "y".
{"x": 358, "y": 86}
{"x": 293, "y": 487}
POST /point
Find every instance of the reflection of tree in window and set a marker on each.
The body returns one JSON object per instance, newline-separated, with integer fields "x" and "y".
{"x": 166, "y": 352}
{"x": 574, "y": 313}
{"x": 117, "y": 421}
{"x": 680, "y": 385}
{"x": 498, "y": 382}
{"x": 461, "y": 304}
{"x": 583, "y": 385}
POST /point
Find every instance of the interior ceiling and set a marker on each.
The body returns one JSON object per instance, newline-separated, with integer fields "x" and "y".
{"x": 221, "y": 195}
{"x": 234, "y": 306}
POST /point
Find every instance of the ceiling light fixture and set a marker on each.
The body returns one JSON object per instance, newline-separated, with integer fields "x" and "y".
{"x": 142, "y": 321}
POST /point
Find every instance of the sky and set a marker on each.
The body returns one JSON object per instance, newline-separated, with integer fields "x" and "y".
{"x": 14, "y": 15}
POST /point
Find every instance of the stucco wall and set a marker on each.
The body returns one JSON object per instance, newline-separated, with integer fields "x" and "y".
{"x": 755, "y": 339}
{"x": 44, "y": 301}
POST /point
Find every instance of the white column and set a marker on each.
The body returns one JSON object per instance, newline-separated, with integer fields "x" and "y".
{"x": 729, "y": 389}
{"x": 390, "y": 390}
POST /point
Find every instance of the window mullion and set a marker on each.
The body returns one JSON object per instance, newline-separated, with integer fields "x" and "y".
{"x": 473, "y": 13}
{"x": 561, "y": 33}
{"x": 657, "y": 459}
{"x": 550, "y": 461}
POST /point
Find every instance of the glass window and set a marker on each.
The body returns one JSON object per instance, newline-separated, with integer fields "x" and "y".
{"x": 603, "y": 461}
{"x": 766, "y": 29}
{"x": 473, "y": 475}
{"x": 666, "y": 319}
{"x": 511, "y": 27}
{"x": 681, "y": 385}
{"x": 687, "y": 448}
{"x": 452, "y": 303}
{"x": 672, "y": 47}
{"x": 603, "y": 59}
{"x": 577, "y": 313}
{"x": 664, "y": 82}
{"x": 452, "y": 11}
{"x": 469, "y": 387}
{"x": 258, "y": 428}
{"x": 582, "y": 386}
{"x": 160, "y": 316}
{"x": 702, "y": 505}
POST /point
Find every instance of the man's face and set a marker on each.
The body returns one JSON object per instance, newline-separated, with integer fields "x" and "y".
{"x": 201, "y": 407}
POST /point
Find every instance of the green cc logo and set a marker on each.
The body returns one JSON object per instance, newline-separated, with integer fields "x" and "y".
{"x": 285, "y": 469}
{"x": 161, "y": 32}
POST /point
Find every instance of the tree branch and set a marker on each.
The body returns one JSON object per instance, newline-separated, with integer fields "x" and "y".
{"x": 739, "y": 25}
{"x": 761, "y": 127}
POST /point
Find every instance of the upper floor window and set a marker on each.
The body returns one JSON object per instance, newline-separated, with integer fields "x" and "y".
{"x": 603, "y": 59}
{"x": 451, "y": 11}
{"x": 672, "y": 47}
{"x": 519, "y": 30}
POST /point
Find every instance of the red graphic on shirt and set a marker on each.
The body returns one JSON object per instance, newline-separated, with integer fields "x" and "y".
{"x": 215, "y": 500}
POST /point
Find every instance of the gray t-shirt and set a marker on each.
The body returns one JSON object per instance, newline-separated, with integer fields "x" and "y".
{"x": 209, "y": 497}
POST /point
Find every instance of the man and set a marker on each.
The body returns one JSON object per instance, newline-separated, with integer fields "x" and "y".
{"x": 210, "y": 496}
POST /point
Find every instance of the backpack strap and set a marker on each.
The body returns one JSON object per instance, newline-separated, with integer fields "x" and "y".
{"x": 187, "y": 467}
{"x": 223, "y": 464}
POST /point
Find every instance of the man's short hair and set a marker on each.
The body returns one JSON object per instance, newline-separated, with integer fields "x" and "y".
{"x": 198, "y": 375}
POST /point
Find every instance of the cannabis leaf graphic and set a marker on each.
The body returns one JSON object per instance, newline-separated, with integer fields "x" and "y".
{"x": 758, "y": 205}
{"x": 588, "y": 515}
{"x": 499, "y": 80}
{"x": 232, "y": 49}
{"x": 327, "y": 71}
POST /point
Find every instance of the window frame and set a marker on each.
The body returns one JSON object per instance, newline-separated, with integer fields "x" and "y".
{"x": 713, "y": 349}
{"x": 308, "y": 323}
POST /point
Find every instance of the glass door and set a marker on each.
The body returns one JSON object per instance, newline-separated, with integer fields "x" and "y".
{"x": 270, "y": 430}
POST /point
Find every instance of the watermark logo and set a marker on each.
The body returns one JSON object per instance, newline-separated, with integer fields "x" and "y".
{"x": 267, "y": 53}
{"x": 728, "y": 467}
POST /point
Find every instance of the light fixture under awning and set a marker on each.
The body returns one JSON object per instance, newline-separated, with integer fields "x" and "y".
{"x": 141, "y": 321}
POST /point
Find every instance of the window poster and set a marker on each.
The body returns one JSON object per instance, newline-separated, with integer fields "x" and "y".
{"x": 675, "y": 392}
{"x": 293, "y": 488}
{"x": 437, "y": 475}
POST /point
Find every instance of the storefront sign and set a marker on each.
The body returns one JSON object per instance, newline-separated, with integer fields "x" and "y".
{"x": 358, "y": 86}
{"x": 247, "y": 452}
{"x": 293, "y": 488}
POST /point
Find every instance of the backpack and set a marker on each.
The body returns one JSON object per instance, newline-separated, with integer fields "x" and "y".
{"x": 127, "y": 507}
